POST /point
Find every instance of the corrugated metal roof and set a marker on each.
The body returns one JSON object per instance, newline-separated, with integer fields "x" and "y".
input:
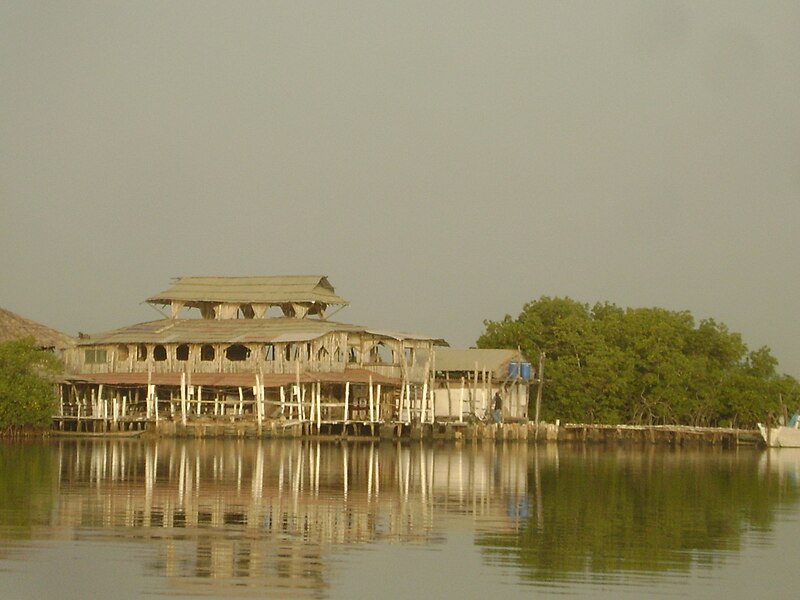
{"x": 263, "y": 290}
{"x": 202, "y": 331}
{"x": 465, "y": 359}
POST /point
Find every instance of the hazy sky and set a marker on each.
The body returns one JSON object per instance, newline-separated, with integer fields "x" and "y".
{"x": 442, "y": 162}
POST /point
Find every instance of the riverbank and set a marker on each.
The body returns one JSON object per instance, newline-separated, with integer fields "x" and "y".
{"x": 671, "y": 435}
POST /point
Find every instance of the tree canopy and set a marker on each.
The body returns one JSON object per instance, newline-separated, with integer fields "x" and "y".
{"x": 606, "y": 364}
{"x": 26, "y": 389}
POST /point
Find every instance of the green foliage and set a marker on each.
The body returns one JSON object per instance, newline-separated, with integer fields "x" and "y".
{"x": 26, "y": 390}
{"x": 611, "y": 365}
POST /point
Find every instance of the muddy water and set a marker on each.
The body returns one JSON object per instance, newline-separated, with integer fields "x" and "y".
{"x": 300, "y": 519}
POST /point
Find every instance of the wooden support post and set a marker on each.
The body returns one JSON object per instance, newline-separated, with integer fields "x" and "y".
{"x": 301, "y": 398}
{"x": 489, "y": 394}
{"x": 241, "y": 402}
{"x": 422, "y": 407}
{"x": 149, "y": 409}
{"x": 371, "y": 402}
{"x": 189, "y": 388}
{"x": 300, "y": 410}
{"x": 539, "y": 393}
{"x": 474, "y": 395}
{"x": 486, "y": 397}
{"x": 378, "y": 405}
{"x": 346, "y": 400}
{"x": 260, "y": 396}
{"x": 283, "y": 400}
{"x": 449, "y": 396}
{"x": 461, "y": 401}
{"x": 319, "y": 405}
{"x": 183, "y": 399}
{"x": 402, "y": 401}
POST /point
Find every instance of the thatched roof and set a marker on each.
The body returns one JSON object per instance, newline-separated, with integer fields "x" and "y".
{"x": 14, "y": 327}
{"x": 269, "y": 290}
{"x": 243, "y": 331}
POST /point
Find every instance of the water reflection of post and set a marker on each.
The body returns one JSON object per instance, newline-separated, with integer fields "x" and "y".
{"x": 377, "y": 473}
{"x": 537, "y": 484}
{"x": 316, "y": 473}
{"x": 369, "y": 475}
{"x": 344, "y": 460}
{"x": 182, "y": 476}
{"x": 114, "y": 462}
{"x": 296, "y": 483}
{"x": 423, "y": 479}
{"x": 258, "y": 475}
{"x": 406, "y": 473}
{"x": 280, "y": 471}
{"x": 149, "y": 480}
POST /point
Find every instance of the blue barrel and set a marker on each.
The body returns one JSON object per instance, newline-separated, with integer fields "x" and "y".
{"x": 525, "y": 370}
{"x": 513, "y": 370}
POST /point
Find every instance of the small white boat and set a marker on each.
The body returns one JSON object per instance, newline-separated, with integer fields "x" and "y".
{"x": 781, "y": 436}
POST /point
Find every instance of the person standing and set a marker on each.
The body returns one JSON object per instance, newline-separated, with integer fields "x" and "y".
{"x": 497, "y": 408}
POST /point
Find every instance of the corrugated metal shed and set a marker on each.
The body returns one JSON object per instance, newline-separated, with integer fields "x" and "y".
{"x": 264, "y": 290}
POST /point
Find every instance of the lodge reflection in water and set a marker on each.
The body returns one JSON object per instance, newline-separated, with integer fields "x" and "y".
{"x": 259, "y": 515}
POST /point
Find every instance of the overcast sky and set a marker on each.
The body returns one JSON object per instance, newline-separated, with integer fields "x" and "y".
{"x": 442, "y": 162}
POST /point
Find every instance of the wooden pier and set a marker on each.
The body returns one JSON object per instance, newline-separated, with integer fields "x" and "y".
{"x": 452, "y": 431}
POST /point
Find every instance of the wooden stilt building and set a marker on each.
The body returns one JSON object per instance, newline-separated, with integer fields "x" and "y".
{"x": 261, "y": 352}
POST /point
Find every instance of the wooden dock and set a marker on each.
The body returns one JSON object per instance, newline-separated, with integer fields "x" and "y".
{"x": 453, "y": 431}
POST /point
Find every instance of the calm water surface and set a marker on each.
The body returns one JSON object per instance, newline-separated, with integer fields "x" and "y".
{"x": 300, "y": 519}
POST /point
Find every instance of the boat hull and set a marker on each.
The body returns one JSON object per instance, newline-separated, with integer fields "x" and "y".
{"x": 780, "y": 437}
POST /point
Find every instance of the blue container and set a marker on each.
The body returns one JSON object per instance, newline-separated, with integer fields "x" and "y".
{"x": 525, "y": 370}
{"x": 519, "y": 370}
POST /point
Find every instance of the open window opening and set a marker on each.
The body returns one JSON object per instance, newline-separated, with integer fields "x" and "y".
{"x": 353, "y": 355}
{"x": 159, "y": 353}
{"x": 380, "y": 353}
{"x": 182, "y": 352}
{"x": 410, "y": 355}
{"x": 141, "y": 353}
{"x": 237, "y": 352}
{"x": 297, "y": 351}
{"x": 207, "y": 353}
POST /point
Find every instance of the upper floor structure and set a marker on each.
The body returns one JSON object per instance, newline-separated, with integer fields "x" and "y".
{"x": 248, "y": 325}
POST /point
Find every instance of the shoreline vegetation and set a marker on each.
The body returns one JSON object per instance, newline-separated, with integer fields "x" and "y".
{"x": 27, "y": 398}
{"x": 644, "y": 366}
